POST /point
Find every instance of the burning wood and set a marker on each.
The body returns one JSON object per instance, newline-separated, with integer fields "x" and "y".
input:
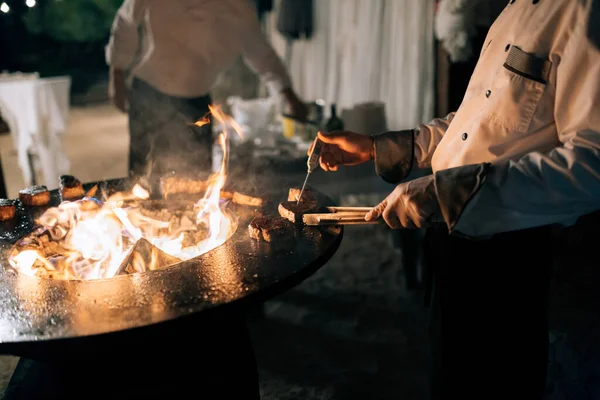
{"x": 174, "y": 185}
{"x": 92, "y": 191}
{"x": 35, "y": 196}
{"x": 84, "y": 238}
{"x": 174, "y": 188}
{"x": 70, "y": 188}
{"x": 8, "y": 209}
{"x": 143, "y": 256}
{"x": 245, "y": 200}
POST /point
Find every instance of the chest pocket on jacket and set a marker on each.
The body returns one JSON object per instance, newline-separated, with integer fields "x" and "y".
{"x": 517, "y": 90}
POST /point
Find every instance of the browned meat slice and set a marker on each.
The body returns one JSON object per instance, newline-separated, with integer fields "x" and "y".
{"x": 8, "y": 209}
{"x": 307, "y": 197}
{"x": 35, "y": 196}
{"x": 294, "y": 212}
{"x": 270, "y": 229}
{"x": 70, "y": 188}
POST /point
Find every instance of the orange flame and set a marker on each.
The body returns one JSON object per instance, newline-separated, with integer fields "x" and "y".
{"x": 103, "y": 240}
{"x": 204, "y": 121}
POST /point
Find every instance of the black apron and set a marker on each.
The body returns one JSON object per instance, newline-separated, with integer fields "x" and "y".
{"x": 163, "y": 137}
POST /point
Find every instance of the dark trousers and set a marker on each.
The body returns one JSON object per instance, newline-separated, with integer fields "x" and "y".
{"x": 163, "y": 137}
{"x": 198, "y": 357}
{"x": 410, "y": 243}
{"x": 489, "y": 326}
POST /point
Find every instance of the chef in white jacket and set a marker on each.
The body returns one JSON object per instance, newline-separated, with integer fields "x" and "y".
{"x": 522, "y": 153}
{"x": 174, "y": 51}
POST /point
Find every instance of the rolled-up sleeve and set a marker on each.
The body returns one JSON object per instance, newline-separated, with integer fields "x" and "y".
{"x": 262, "y": 58}
{"x": 397, "y": 152}
{"x": 124, "y": 40}
{"x": 540, "y": 189}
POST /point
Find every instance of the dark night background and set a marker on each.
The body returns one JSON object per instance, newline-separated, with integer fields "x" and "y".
{"x": 57, "y": 37}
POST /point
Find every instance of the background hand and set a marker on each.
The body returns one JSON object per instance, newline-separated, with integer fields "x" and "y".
{"x": 118, "y": 89}
{"x": 120, "y": 101}
{"x": 344, "y": 148}
{"x": 295, "y": 107}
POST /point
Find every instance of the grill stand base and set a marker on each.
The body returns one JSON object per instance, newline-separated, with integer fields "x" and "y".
{"x": 203, "y": 356}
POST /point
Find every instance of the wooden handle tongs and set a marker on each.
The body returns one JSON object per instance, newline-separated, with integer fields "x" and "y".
{"x": 339, "y": 216}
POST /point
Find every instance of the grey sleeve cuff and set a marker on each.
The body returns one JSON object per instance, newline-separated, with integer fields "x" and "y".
{"x": 455, "y": 187}
{"x": 394, "y": 154}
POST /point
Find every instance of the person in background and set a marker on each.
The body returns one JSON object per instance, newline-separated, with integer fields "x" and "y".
{"x": 520, "y": 156}
{"x": 173, "y": 51}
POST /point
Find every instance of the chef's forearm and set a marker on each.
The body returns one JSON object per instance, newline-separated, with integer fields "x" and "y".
{"x": 260, "y": 56}
{"x": 393, "y": 154}
{"x": 398, "y": 152}
{"x": 537, "y": 190}
{"x": 117, "y": 80}
{"x": 124, "y": 38}
{"x": 271, "y": 70}
{"x": 288, "y": 94}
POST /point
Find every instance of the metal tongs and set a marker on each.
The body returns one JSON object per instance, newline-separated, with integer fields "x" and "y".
{"x": 339, "y": 216}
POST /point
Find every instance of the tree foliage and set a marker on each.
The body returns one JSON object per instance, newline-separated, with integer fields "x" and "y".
{"x": 72, "y": 20}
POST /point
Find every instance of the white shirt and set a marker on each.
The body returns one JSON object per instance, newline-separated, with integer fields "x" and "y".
{"x": 536, "y": 120}
{"x": 185, "y": 44}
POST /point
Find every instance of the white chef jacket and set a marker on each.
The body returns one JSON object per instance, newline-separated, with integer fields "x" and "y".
{"x": 523, "y": 149}
{"x": 185, "y": 44}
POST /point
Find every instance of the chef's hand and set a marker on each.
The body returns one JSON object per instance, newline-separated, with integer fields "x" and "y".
{"x": 295, "y": 107}
{"x": 118, "y": 89}
{"x": 411, "y": 205}
{"x": 344, "y": 148}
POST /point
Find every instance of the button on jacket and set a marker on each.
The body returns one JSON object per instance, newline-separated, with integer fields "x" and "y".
{"x": 185, "y": 44}
{"x": 523, "y": 149}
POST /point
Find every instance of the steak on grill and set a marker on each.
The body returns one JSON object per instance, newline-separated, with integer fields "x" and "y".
{"x": 293, "y": 211}
{"x": 270, "y": 229}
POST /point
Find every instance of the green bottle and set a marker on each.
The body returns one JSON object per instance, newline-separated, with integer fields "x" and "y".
{"x": 334, "y": 123}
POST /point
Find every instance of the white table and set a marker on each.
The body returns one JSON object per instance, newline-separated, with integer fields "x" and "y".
{"x": 36, "y": 111}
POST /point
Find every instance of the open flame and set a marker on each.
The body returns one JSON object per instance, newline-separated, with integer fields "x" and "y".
{"x": 89, "y": 239}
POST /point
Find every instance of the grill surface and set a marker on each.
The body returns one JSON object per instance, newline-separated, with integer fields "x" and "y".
{"x": 40, "y": 312}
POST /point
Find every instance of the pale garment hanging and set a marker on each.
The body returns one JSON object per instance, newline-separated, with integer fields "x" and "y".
{"x": 367, "y": 51}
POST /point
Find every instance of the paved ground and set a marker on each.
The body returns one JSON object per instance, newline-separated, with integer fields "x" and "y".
{"x": 349, "y": 332}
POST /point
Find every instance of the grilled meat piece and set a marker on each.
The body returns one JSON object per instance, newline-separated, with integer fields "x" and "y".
{"x": 270, "y": 229}
{"x": 307, "y": 197}
{"x": 70, "y": 188}
{"x": 35, "y": 196}
{"x": 293, "y": 211}
{"x": 8, "y": 209}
